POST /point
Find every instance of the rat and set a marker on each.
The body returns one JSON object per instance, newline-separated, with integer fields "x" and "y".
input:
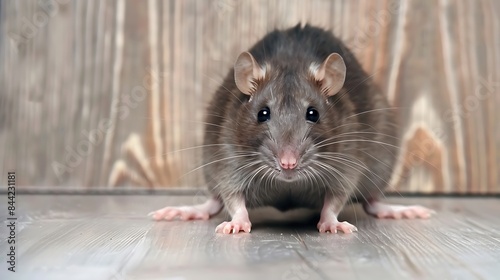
{"x": 297, "y": 123}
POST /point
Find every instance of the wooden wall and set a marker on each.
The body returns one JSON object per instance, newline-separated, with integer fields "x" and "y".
{"x": 111, "y": 93}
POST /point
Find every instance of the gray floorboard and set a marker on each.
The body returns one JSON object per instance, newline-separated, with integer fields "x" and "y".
{"x": 110, "y": 237}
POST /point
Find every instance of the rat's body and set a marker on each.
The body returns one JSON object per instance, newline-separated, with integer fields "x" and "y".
{"x": 297, "y": 123}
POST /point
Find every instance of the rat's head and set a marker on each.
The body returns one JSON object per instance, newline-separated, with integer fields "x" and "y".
{"x": 289, "y": 117}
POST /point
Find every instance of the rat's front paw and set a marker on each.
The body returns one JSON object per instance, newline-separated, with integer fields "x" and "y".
{"x": 333, "y": 226}
{"x": 234, "y": 226}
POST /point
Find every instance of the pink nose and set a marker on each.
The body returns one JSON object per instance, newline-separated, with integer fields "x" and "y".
{"x": 288, "y": 160}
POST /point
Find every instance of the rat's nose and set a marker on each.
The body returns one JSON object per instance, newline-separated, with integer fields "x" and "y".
{"x": 288, "y": 160}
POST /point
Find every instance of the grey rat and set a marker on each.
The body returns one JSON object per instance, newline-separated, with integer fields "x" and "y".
{"x": 297, "y": 123}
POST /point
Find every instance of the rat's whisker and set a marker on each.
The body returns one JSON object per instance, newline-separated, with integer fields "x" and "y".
{"x": 355, "y": 166}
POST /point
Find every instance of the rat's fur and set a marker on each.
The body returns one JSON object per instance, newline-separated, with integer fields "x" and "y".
{"x": 356, "y": 128}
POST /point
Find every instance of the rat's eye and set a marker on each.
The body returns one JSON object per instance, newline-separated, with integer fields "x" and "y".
{"x": 312, "y": 115}
{"x": 264, "y": 115}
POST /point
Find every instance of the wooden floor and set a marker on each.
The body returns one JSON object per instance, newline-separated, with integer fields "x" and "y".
{"x": 110, "y": 237}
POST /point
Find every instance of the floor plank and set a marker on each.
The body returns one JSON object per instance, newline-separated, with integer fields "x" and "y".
{"x": 110, "y": 237}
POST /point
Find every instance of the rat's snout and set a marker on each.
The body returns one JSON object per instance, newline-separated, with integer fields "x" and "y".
{"x": 288, "y": 158}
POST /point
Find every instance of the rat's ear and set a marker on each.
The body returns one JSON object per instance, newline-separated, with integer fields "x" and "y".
{"x": 247, "y": 72}
{"x": 331, "y": 74}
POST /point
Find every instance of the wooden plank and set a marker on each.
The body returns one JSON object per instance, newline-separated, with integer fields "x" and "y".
{"x": 148, "y": 69}
{"x": 110, "y": 237}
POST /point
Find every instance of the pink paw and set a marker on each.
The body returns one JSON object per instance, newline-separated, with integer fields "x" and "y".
{"x": 182, "y": 212}
{"x": 234, "y": 226}
{"x": 403, "y": 212}
{"x": 334, "y": 226}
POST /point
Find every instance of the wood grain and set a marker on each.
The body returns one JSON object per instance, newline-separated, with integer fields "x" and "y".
{"x": 110, "y": 237}
{"x": 112, "y": 93}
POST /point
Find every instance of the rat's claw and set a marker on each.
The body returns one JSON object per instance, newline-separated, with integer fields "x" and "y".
{"x": 233, "y": 227}
{"x": 334, "y": 226}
